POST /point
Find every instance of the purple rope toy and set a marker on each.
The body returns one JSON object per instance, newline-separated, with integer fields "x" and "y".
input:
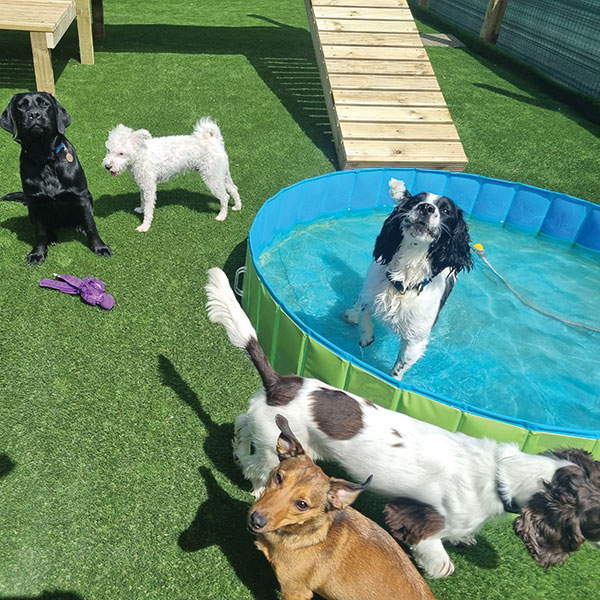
{"x": 91, "y": 289}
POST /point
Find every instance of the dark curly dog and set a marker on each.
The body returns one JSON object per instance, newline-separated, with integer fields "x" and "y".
{"x": 566, "y": 513}
{"x": 54, "y": 186}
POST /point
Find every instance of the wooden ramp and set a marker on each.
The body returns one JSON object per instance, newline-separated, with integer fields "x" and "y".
{"x": 384, "y": 102}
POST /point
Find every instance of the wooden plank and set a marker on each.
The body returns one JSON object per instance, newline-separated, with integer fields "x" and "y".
{"x": 393, "y": 114}
{"x": 373, "y": 14}
{"x": 374, "y": 52}
{"x": 383, "y": 82}
{"x": 379, "y": 67}
{"x": 388, "y": 97}
{"x": 342, "y": 38}
{"x": 400, "y": 151}
{"x": 358, "y": 26}
{"x": 404, "y": 131}
{"x": 365, "y": 3}
{"x": 52, "y": 38}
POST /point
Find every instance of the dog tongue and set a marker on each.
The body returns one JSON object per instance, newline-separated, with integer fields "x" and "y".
{"x": 113, "y": 174}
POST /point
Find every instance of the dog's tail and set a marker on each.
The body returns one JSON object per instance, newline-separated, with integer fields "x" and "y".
{"x": 206, "y": 128}
{"x": 15, "y": 197}
{"x": 223, "y": 308}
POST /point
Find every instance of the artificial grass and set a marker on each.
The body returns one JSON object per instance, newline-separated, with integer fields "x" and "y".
{"x": 116, "y": 477}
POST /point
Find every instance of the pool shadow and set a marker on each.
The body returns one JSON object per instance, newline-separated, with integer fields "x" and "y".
{"x": 221, "y": 521}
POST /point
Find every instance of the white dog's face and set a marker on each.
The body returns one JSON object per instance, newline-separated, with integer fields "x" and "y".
{"x": 122, "y": 146}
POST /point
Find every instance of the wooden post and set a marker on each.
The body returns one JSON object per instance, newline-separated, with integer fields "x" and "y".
{"x": 84, "y": 29}
{"x": 42, "y": 62}
{"x": 493, "y": 20}
{"x": 98, "y": 19}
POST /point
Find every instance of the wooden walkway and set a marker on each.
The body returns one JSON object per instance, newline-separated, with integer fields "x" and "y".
{"x": 384, "y": 102}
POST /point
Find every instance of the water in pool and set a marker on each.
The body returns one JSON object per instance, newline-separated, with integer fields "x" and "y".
{"x": 487, "y": 349}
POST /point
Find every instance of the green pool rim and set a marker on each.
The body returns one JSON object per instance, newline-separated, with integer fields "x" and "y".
{"x": 293, "y": 347}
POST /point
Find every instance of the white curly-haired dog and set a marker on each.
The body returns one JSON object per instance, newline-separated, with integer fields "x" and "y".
{"x": 154, "y": 160}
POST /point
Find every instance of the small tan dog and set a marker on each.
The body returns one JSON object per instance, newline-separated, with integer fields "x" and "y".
{"x": 317, "y": 543}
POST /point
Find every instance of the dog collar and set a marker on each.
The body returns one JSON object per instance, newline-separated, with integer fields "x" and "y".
{"x": 60, "y": 147}
{"x": 400, "y": 286}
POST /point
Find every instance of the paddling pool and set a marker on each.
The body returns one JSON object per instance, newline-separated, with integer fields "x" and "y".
{"x": 493, "y": 367}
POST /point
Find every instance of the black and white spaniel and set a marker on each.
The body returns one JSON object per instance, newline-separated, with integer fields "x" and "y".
{"x": 442, "y": 486}
{"x": 422, "y": 247}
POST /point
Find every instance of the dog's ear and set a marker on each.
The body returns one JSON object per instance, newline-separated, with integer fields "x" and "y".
{"x": 63, "y": 118}
{"x": 288, "y": 445}
{"x": 343, "y": 493}
{"x": 390, "y": 236}
{"x": 398, "y": 191}
{"x": 7, "y": 119}
{"x": 140, "y": 136}
{"x": 453, "y": 248}
{"x": 550, "y": 524}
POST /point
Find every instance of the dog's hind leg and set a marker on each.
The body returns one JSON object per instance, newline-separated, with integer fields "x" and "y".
{"x": 220, "y": 193}
{"x": 233, "y": 192}
{"x": 148, "y": 197}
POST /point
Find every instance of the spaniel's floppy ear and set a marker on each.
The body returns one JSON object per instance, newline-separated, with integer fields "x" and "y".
{"x": 7, "y": 119}
{"x": 453, "y": 248}
{"x": 63, "y": 118}
{"x": 390, "y": 236}
{"x": 550, "y": 525}
{"x": 288, "y": 445}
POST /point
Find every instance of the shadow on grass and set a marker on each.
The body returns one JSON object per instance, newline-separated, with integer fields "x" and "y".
{"x": 46, "y": 596}
{"x": 221, "y": 521}
{"x": 218, "y": 436}
{"x": 198, "y": 201}
{"x": 282, "y": 56}
{"x": 6, "y": 465}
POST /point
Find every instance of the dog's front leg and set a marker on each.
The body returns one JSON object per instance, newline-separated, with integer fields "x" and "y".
{"x": 91, "y": 231}
{"x": 365, "y": 326}
{"x": 432, "y": 557}
{"x": 40, "y": 249}
{"x": 148, "y": 197}
{"x": 294, "y": 592}
{"x": 410, "y": 352}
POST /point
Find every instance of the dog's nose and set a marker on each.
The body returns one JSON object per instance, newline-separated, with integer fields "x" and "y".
{"x": 34, "y": 115}
{"x": 108, "y": 167}
{"x": 426, "y": 208}
{"x": 257, "y": 521}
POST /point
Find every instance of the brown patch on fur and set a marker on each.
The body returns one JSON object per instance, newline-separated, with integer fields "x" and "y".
{"x": 284, "y": 390}
{"x": 370, "y": 403}
{"x": 399, "y": 435}
{"x": 411, "y": 521}
{"x": 336, "y": 413}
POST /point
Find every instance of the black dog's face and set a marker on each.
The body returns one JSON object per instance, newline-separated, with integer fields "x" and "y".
{"x": 33, "y": 115}
{"x": 427, "y": 216}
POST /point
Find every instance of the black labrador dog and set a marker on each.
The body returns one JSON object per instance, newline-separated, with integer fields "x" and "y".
{"x": 55, "y": 190}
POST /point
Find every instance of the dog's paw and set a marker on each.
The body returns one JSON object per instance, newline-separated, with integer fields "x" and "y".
{"x": 365, "y": 341}
{"x": 103, "y": 250}
{"x": 139, "y": 210}
{"x": 464, "y": 542}
{"x": 351, "y": 316}
{"x": 221, "y": 216}
{"x": 35, "y": 258}
{"x": 440, "y": 570}
{"x": 143, "y": 228}
{"x": 236, "y": 207}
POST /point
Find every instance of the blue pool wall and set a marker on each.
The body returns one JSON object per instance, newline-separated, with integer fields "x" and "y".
{"x": 568, "y": 220}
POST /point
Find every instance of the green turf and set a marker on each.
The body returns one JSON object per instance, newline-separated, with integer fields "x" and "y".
{"x": 116, "y": 477}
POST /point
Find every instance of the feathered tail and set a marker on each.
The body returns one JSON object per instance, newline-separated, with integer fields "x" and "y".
{"x": 222, "y": 307}
{"x": 206, "y": 128}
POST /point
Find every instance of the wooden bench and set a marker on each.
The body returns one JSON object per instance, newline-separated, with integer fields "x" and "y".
{"x": 47, "y": 21}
